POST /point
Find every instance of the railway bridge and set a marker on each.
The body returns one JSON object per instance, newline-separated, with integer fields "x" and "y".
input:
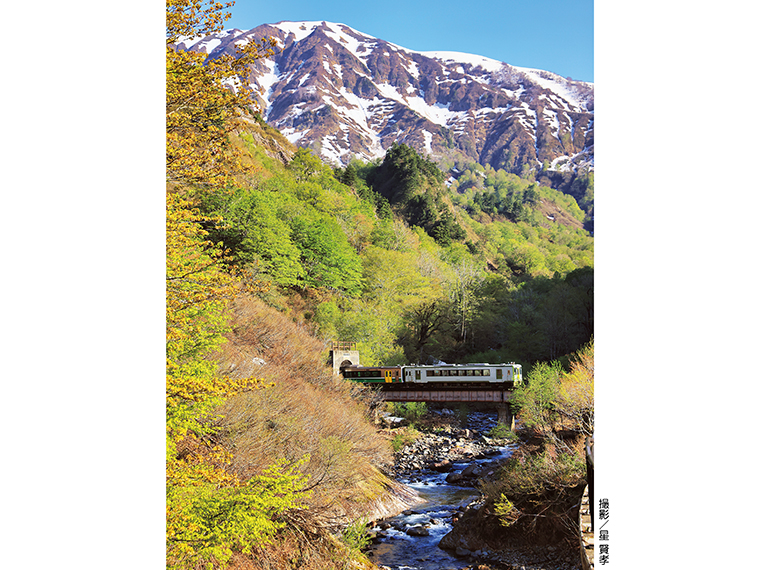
{"x": 452, "y": 394}
{"x": 345, "y": 356}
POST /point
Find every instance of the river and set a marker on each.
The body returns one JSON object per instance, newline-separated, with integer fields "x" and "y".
{"x": 398, "y": 548}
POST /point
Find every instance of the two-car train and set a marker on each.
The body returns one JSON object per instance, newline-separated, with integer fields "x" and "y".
{"x": 489, "y": 375}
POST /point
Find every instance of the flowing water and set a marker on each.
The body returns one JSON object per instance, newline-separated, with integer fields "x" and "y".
{"x": 398, "y": 550}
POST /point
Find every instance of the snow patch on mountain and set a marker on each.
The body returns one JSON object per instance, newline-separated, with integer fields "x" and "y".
{"x": 486, "y": 63}
{"x": 553, "y": 119}
{"x": 428, "y": 141}
{"x": 267, "y": 83}
{"x": 555, "y": 83}
{"x": 300, "y": 30}
{"x": 383, "y": 96}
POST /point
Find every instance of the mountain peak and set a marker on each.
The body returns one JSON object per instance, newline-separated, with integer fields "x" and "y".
{"x": 347, "y": 94}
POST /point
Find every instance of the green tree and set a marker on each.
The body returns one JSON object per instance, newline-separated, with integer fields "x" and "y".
{"x": 462, "y": 294}
{"x": 306, "y": 166}
{"x": 422, "y": 321}
{"x": 326, "y": 256}
{"x": 253, "y": 230}
{"x": 536, "y": 399}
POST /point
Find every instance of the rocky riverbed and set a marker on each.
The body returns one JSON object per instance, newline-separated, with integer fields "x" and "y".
{"x": 443, "y": 466}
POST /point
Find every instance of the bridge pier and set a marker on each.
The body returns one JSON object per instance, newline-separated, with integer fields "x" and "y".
{"x": 505, "y": 416}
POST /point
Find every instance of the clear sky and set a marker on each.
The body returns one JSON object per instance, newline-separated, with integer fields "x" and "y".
{"x": 554, "y": 35}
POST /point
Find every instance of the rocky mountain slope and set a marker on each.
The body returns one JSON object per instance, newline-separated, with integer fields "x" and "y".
{"x": 344, "y": 94}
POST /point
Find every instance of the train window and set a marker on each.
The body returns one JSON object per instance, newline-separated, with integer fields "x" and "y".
{"x": 499, "y": 373}
{"x": 486, "y": 372}
{"x": 416, "y": 374}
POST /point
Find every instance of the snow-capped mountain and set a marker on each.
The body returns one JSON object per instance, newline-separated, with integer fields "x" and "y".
{"x": 344, "y": 94}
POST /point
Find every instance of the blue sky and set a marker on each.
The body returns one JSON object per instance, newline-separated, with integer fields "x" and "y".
{"x": 555, "y": 35}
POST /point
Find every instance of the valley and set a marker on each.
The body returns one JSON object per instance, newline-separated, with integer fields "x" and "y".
{"x": 415, "y": 253}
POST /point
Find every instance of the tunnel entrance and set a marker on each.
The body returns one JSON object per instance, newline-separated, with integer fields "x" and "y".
{"x": 343, "y": 354}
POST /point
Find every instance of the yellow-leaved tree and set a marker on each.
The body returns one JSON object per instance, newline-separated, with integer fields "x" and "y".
{"x": 211, "y": 511}
{"x": 203, "y": 96}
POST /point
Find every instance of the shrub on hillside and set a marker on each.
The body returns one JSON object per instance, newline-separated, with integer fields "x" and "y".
{"x": 537, "y": 492}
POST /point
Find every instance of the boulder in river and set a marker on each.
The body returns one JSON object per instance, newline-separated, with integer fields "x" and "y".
{"x": 417, "y": 530}
{"x": 454, "y": 477}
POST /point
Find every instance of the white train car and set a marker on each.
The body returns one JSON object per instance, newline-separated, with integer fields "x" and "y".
{"x": 508, "y": 374}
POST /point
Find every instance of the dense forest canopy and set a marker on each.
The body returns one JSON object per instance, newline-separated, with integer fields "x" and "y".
{"x": 410, "y": 268}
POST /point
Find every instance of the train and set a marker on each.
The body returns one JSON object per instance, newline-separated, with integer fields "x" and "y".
{"x": 480, "y": 374}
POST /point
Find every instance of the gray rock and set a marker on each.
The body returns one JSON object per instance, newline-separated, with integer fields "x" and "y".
{"x": 417, "y": 530}
{"x": 393, "y": 421}
{"x": 443, "y": 466}
{"x": 454, "y": 477}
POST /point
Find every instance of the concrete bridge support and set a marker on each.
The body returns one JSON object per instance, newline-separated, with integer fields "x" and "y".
{"x": 505, "y": 416}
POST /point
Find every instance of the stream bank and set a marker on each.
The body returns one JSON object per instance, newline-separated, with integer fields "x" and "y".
{"x": 444, "y": 466}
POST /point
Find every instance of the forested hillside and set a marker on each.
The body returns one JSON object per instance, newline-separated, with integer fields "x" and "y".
{"x": 272, "y": 254}
{"x": 385, "y": 254}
